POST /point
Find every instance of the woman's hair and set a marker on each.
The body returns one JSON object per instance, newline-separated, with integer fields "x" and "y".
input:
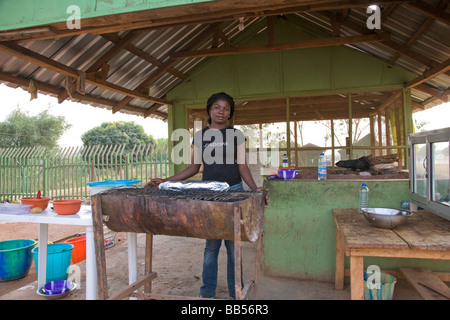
{"x": 217, "y": 96}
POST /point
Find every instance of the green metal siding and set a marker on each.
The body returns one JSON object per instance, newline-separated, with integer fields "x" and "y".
{"x": 300, "y": 234}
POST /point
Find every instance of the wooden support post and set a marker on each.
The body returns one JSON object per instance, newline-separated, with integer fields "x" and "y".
{"x": 148, "y": 260}
{"x": 340, "y": 262}
{"x": 372, "y": 135}
{"x": 350, "y": 126}
{"x": 398, "y": 132}
{"x": 99, "y": 242}
{"x": 237, "y": 253}
{"x": 380, "y": 134}
{"x": 288, "y": 131}
{"x": 333, "y": 161}
{"x": 357, "y": 277}
{"x": 387, "y": 125}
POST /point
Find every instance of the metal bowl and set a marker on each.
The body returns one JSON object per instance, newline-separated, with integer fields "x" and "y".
{"x": 386, "y": 218}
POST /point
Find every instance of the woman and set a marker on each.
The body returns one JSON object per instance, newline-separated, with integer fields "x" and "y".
{"x": 221, "y": 149}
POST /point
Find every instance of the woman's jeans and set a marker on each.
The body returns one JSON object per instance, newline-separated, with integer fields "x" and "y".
{"x": 210, "y": 258}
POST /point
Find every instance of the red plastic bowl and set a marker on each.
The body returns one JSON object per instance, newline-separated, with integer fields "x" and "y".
{"x": 67, "y": 206}
{"x": 35, "y": 202}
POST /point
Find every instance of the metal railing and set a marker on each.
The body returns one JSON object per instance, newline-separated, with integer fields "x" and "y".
{"x": 62, "y": 173}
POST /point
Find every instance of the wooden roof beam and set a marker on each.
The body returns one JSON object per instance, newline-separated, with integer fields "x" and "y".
{"x": 24, "y": 83}
{"x": 174, "y": 16}
{"x": 401, "y": 49}
{"x": 430, "y": 73}
{"x": 144, "y": 55}
{"x": 23, "y": 53}
{"x": 421, "y": 105}
{"x": 442, "y": 5}
{"x": 166, "y": 66}
{"x": 437, "y": 13}
{"x": 113, "y": 51}
{"x": 387, "y": 103}
{"x": 433, "y": 92}
{"x": 314, "y": 43}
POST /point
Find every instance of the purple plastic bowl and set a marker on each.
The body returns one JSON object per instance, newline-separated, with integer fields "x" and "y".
{"x": 56, "y": 287}
{"x": 287, "y": 174}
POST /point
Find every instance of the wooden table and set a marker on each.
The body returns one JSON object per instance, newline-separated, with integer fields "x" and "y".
{"x": 424, "y": 236}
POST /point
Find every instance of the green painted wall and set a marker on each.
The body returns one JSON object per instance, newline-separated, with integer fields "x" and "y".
{"x": 299, "y": 232}
{"x": 38, "y": 12}
{"x": 313, "y": 71}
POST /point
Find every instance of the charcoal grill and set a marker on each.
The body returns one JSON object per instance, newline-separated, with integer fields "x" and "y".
{"x": 198, "y": 214}
{"x": 228, "y": 215}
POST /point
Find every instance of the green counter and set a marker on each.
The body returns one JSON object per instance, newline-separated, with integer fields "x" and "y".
{"x": 299, "y": 232}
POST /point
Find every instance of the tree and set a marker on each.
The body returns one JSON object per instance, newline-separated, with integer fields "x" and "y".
{"x": 22, "y": 130}
{"x": 117, "y": 133}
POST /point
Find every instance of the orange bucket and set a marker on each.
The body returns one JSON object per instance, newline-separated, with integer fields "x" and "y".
{"x": 79, "y": 249}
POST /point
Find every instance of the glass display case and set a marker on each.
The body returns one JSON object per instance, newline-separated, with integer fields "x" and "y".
{"x": 429, "y": 170}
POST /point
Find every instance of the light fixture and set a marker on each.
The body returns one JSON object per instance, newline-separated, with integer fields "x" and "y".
{"x": 241, "y": 24}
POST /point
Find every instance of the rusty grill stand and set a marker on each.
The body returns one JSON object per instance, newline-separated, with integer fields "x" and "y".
{"x": 241, "y": 293}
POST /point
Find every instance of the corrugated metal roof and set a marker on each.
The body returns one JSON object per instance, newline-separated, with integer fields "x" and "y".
{"x": 129, "y": 69}
{"x": 402, "y": 23}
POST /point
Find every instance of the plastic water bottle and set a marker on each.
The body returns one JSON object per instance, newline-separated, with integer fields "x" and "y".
{"x": 363, "y": 200}
{"x": 322, "y": 167}
{"x": 285, "y": 161}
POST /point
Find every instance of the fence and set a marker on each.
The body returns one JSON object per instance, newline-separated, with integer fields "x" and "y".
{"x": 63, "y": 173}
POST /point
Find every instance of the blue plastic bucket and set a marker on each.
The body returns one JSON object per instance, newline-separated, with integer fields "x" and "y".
{"x": 15, "y": 258}
{"x": 58, "y": 260}
{"x": 385, "y": 289}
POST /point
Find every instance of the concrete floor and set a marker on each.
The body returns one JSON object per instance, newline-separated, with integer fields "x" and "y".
{"x": 177, "y": 261}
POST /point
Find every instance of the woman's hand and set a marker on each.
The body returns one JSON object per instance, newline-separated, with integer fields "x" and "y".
{"x": 154, "y": 183}
{"x": 266, "y": 193}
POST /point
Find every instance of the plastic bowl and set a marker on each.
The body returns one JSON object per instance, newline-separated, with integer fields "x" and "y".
{"x": 15, "y": 258}
{"x": 35, "y": 202}
{"x": 56, "y": 289}
{"x": 287, "y": 174}
{"x": 385, "y": 218}
{"x": 66, "y": 207}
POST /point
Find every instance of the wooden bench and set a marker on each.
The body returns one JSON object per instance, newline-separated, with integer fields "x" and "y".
{"x": 426, "y": 283}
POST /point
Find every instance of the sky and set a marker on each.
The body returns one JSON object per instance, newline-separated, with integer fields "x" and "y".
{"x": 85, "y": 117}
{"x": 82, "y": 117}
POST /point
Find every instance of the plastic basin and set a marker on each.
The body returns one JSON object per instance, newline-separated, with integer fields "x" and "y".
{"x": 67, "y": 207}
{"x": 15, "y": 258}
{"x": 58, "y": 261}
{"x": 35, "y": 202}
{"x": 79, "y": 249}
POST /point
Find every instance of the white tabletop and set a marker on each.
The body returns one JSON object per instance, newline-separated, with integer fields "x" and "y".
{"x": 82, "y": 218}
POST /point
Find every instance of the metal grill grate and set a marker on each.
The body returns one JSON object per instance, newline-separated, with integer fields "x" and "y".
{"x": 218, "y": 196}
